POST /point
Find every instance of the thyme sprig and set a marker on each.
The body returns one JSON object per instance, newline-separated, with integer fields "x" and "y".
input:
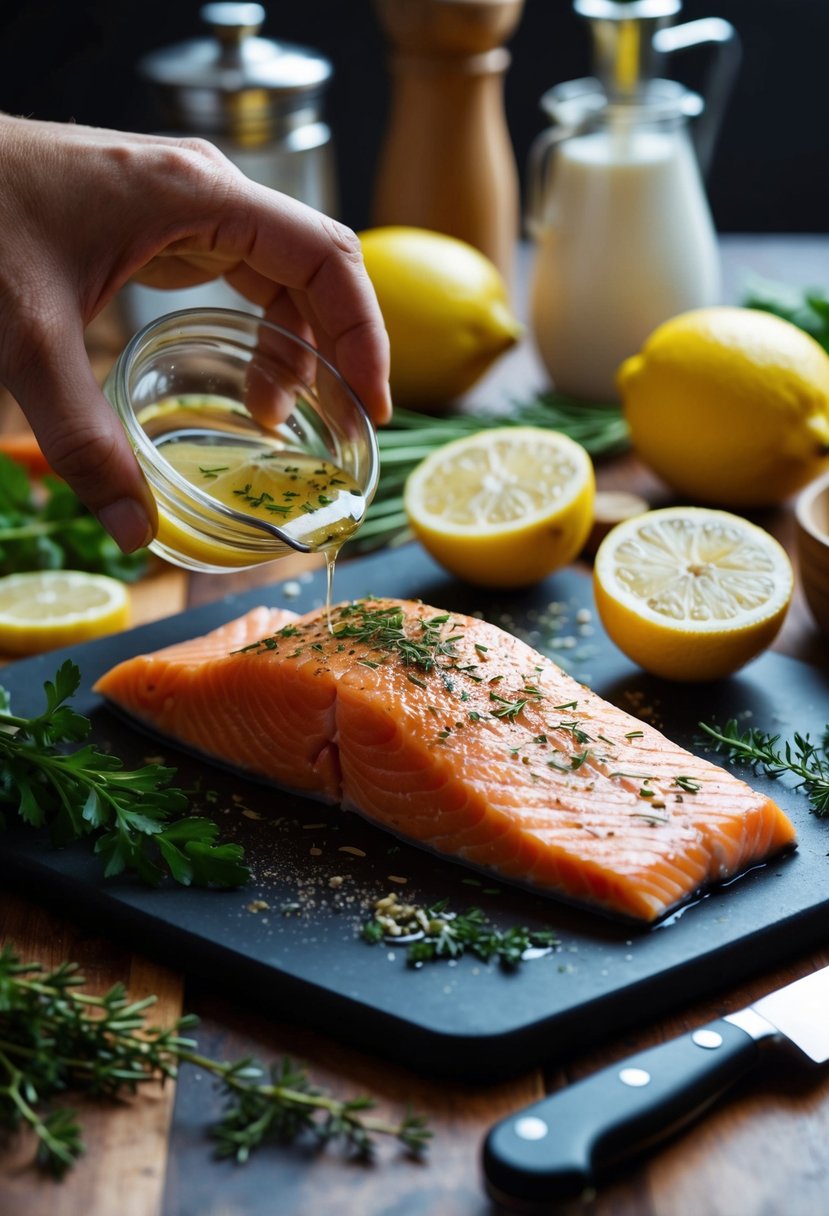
{"x": 799, "y": 756}
{"x": 86, "y": 793}
{"x": 55, "y": 1037}
{"x": 442, "y": 934}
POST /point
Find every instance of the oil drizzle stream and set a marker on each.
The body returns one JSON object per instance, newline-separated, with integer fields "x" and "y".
{"x": 330, "y": 562}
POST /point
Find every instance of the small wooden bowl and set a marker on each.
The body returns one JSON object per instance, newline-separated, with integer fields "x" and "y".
{"x": 812, "y": 520}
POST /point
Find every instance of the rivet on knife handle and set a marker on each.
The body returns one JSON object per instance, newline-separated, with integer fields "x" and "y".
{"x": 558, "y": 1147}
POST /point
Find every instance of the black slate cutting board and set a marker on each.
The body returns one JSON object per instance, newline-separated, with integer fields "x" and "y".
{"x": 290, "y": 940}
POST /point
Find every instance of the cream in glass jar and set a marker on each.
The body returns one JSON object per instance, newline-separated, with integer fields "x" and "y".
{"x": 624, "y": 235}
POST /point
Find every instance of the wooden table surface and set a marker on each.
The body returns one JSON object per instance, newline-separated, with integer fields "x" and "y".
{"x": 761, "y": 1151}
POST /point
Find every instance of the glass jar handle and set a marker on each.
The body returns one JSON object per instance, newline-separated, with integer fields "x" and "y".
{"x": 722, "y": 73}
{"x": 539, "y": 162}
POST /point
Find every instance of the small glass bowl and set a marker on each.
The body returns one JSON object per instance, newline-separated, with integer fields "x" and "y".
{"x": 263, "y": 384}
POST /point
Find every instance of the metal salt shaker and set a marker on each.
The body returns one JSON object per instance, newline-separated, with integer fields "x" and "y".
{"x": 260, "y": 101}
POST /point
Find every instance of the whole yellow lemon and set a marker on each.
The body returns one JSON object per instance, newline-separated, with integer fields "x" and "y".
{"x": 446, "y": 309}
{"x": 729, "y": 406}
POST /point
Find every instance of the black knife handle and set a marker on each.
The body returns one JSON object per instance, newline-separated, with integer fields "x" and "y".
{"x": 558, "y": 1147}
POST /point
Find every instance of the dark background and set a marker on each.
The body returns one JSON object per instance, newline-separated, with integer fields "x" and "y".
{"x": 771, "y": 169}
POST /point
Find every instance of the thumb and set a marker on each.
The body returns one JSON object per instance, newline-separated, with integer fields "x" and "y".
{"x": 83, "y": 439}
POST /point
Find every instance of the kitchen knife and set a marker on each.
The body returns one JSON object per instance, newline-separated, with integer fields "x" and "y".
{"x": 559, "y": 1147}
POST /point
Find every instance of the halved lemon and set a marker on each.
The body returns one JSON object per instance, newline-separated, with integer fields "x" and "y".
{"x": 504, "y": 507}
{"x": 51, "y": 608}
{"x": 690, "y": 593}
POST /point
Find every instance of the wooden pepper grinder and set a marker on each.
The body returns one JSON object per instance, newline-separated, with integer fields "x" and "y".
{"x": 447, "y": 162}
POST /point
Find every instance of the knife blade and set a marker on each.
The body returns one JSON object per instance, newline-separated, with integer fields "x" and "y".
{"x": 559, "y": 1147}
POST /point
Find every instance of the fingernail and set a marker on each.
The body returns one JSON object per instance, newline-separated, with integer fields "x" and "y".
{"x": 127, "y": 523}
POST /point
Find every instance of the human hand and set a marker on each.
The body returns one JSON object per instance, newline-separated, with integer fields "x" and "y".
{"x": 86, "y": 209}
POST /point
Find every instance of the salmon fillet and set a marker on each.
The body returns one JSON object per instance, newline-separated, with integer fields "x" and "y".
{"x": 457, "y": 736}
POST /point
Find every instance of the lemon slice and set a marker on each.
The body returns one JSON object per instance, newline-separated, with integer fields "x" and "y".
{"x": 690, "y": 593}
{"x": 504, "y": 507}
{"x": 51, "y": 608}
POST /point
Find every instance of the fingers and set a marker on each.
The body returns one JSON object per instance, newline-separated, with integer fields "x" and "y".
{"x": 320, "y": 263}
{"x": 83, "y": 439}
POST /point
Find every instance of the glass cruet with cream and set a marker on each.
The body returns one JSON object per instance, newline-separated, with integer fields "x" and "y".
{"x": 624, "y": 237}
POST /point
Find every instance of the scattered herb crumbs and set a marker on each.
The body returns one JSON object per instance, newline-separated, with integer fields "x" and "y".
{"x": 509, "y": 710}
{"x": 689, "y": 785}
{"x": 650, "y": 817}
{"x": 579, "y": 734}
{"x": 441, "y": 934}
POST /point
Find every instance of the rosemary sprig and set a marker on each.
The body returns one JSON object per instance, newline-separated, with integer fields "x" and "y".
{"x": 799, "y": 756}
{"x": 55, "y": 1037}
{"x": 86, "y": 793}
{"x": 411, "y": 436}
{"x": 441, "y": 934}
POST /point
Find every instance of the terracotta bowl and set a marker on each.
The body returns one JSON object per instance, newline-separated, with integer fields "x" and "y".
{"x": 812, "y": 518}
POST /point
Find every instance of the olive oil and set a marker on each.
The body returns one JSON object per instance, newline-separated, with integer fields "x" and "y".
{"x": 307, "y": 497}
{"x": 297, "y": 498}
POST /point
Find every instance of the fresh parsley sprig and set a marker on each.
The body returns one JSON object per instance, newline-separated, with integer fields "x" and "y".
{"x": 55, "y": 1037}
{"x": 799, "y": 756}
{"x": 85, "y": 793}
{"x": 54, "y": 530}
{"x": 807, "y": 308}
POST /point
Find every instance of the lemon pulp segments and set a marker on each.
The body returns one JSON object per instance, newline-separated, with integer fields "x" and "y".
{"x": 691, "y": 593}
{"x": 50, "y": 608}
{"x": 489, "y": 484}
{"x": 503, "y": 507}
